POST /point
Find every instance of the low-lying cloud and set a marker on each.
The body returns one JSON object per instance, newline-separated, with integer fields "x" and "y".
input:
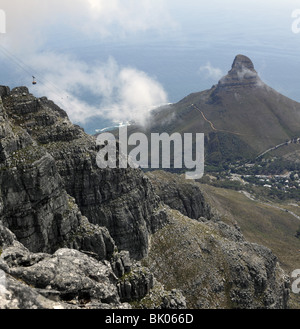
{"x": 120, "y": 93}
{"x": 210, "y": 72}
{"x": 245, "y": 73}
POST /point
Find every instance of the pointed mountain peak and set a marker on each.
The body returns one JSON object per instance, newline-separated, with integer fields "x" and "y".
{"x": 242, "y": 62}
{"x": 242, "y": 74}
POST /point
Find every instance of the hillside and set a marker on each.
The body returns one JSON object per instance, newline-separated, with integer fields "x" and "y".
{"x": 240, "y": 116}
{"x": 271, "y": 224}
{"x": 260, "y": 222}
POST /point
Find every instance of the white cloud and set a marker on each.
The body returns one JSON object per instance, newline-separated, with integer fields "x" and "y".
{"x": 123, "y": 93}
{"x": 29, "y": 22}
{"x": 211, "y": 72}
{"x": 245, "y": 73}
{"x": 129, "y": 16}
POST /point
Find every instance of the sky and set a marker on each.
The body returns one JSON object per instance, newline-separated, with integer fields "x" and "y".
{"x": 111, "y": 61}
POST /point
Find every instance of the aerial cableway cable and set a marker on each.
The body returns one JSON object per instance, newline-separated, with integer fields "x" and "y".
{"x": 31, "y": 72}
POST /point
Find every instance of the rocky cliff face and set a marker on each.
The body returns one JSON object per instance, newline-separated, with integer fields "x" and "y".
{"x": 62, "y": 156}
{"x": 73, "y": 235}
{"x": 180, "y": 194}
{"x": 215, "y": 267}
{"x": 34, "y": 202}
{"x": 242, "y": 74}
{"x": 48, "y": 178}
{"x": 211, "y": 262}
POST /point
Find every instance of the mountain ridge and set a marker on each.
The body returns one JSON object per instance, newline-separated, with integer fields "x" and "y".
{"x": 241, "y": 116}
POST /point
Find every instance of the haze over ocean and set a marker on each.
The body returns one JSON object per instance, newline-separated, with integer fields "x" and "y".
{"x": 108, "y": 63}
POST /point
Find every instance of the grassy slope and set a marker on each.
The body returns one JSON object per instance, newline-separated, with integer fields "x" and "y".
{"x": 248, "y": 121}
{"x": 261, "y": 224}
{"x": 177, "y": 259}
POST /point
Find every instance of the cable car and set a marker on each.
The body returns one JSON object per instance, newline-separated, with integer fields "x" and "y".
{"x": 33, "y": 81}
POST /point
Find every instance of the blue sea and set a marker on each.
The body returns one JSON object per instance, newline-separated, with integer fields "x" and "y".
{"x": 211, "y": 34}
{"x": 206, "y": 34}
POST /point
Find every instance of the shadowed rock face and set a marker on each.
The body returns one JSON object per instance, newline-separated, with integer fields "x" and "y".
{"x": 33, "y": 201}
{"x": 60, "y": 159}
{"x": 180, "y": 194}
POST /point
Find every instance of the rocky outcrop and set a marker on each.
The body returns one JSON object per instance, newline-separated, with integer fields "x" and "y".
{"x": 138, "y": 286}
{"x": 121, "y": 200}
{"x": 160, "y": 298}
{"x": 241, "y": 75}
{"x": 215, "y": 267}
{"x": 33, "y": 201}
{"x": 70, "y": 279}
{"x": 71, "y": 275}
{"x": 66, "y": 279}
{"x": 16, "y": 295}
{"x": 180, "y": 194}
